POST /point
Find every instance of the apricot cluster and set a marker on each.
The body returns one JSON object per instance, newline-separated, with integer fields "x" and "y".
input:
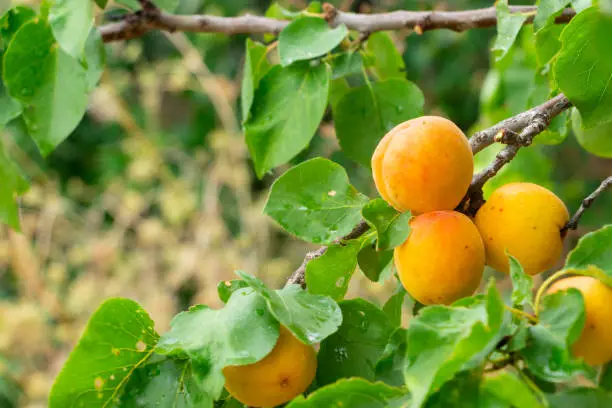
{"x": 425, "y": 166}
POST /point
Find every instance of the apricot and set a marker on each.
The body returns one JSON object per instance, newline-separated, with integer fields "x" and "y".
{"x": 595, "y": 342}
{"x": 424, "y": 164}
{"x": 526, "y": 220}
{"x": 443, "y": 258}
{"x": 279, "y": 377}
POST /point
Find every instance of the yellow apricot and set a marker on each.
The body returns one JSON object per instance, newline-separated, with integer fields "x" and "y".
{"x": 595, "y": 342}
{"x": 424, "y": 164}
{"x": 526, "y": 220}
{"x": 443, "y": 258}
{"x": 279, "y": 377}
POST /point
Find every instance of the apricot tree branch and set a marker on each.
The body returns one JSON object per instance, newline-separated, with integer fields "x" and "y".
{"x": 299, "y": 276}
{"x": 151, "y": 18}
{"x": 516, "y": 132}
{"x": 586, "y": 203}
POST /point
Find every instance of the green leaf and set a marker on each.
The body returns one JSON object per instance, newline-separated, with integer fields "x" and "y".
{"x": 315, "y": 201}
{"x": 278, "y": 12}
{"x": 561, "y": 320}
{"x": 465, "y": 384}
{"x": 582, "y": 397}
{"x": 307, "y": 38}
{"x": 547, "y": 42}
{"x": 330, "y": 274}
{"x": 102, "y": 3}
{"x": 50, "y": 83}
{"x": 388, "y": 62}
{"x": 547, "y": 10}
{"x": 522, "y": 284}
{"x": 375, "y": 265}
{"x": 12, "y": 20}
{"x": 311, "y": 318}
{"x": 241, "y": 333}
{"x": 391, "y": 226}
{"x": 256, "y": 65}
{"x": 119, "y": 338}
{"x": 9, "y": 107}
{"x": 505, "y": 386}
{"x": 225, "y": 289}
{"x": 13, "y": 183}
{"x": 594, "y": 250}
{"x": 595, "y": 140}
{"x": 71, "y": 21}
{"x": 445, "y": 340}
{"x": 163, "y": 384}
{"x": 355, "y": 348}
{"x": 95, "y": 59}
{"x": 349, "y": 63}
{"x": 508, "y": 27}
{"x": 338, "y": 88}
{"x": 605, "y": 377}
{"x": 286, "y": 112}
{"x": 393, "y": 306}
{"x": 583, "y": 69}
{"x": 390, "y": 365}
{"x": 350, "y": 392}
{"x": 168, "y": 5}
{"x": 365, "y": 114}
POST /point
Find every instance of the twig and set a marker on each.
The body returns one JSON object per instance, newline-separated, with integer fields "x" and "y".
{"x": 586, "y": 203}
{"x": 151, "y": 18}
{"x": 517, "y": 131}
{"x": 299, "y": 276}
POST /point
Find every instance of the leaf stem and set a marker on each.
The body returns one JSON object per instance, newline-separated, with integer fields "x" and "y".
{"x": 521, "y": 313}
{"x": 544, "y": 286}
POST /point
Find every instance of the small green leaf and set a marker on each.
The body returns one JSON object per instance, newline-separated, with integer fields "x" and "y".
{"x": 350, "y": 392}
{"x": 605, "y": 377}
{"x": 390, "y": 365}
{"x": 582, "y": 397}
{"x": 506, "y": 387}
{"x": 346, "y": 64}
{"x": 508, "y": 27}
{"x": 311, "y": 318}
{"x": 285, "y": 114}
{"x": 330, "y": 274}
{"x": 547, "y": 10}
{"x": 315, "y": 201}
{"x": 163, "y": 384}
{"x": 256, "y": 65}
{"x": 12, "y": 20}
{"x": 71, "y": 21}
{"x": 365, "y": 114}
{"x": 13, "y": 183}
{"x": 522, "y": 284}
{"x": 243, "y": 332}
{"x": 583, "y": 68}
{"x": 595, "y": 140}
{"x": 443, "y": 340}
{"x": 393, "y": 306}
{"x": 102, "y": 3}
{"x": 95, "y": 59}
{"x": 119, "y": 338}
{"x": 50, "y": 83}
{"x": 375, "y": 265}
{"x": 465, "y": 384}
{"x": 561, "y": 320}
{"x": 388, "y": 62}
{"x": 225, "y": 289}
{"x": 594, "y": 250}
{"x": 357, "y": 345}
{"x": 168, "y": 5}
{"x": 278, "y": 12}
{"x": 307, "y": 38}
{"x": 10, "y": 108}
{"x": 547, "y": 42}
{"x": 391, "y": 226}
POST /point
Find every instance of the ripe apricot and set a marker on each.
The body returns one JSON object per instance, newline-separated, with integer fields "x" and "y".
{"x": 279, "y": 377}
{"x": 443, "y": 258}
{"x": 526, "y": 220}
{"x": 595, "y": 342}
{"x": 424, "y": 164}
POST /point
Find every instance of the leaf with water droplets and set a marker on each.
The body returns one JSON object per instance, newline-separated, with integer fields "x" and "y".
{"x": 118, "y": 339}
{"x": 356, "y": 347}
{"x": 311, "y": 318}
{"x": 307, "y": 38}
{"x": 315, "y": 201}
{"x": 243, "y": 332}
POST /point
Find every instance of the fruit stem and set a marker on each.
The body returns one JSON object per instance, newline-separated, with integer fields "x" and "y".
{"x": 521, "y": 313}
{"x": 544, "y": 286}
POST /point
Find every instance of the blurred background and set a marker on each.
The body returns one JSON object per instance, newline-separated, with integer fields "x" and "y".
{"x": 153, "y": 197}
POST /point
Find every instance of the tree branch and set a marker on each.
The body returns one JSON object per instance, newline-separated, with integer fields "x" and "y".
{"x": 299, "y": 276}
{"x": 586, "y": 203}
{"x": 151, "y": 18}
